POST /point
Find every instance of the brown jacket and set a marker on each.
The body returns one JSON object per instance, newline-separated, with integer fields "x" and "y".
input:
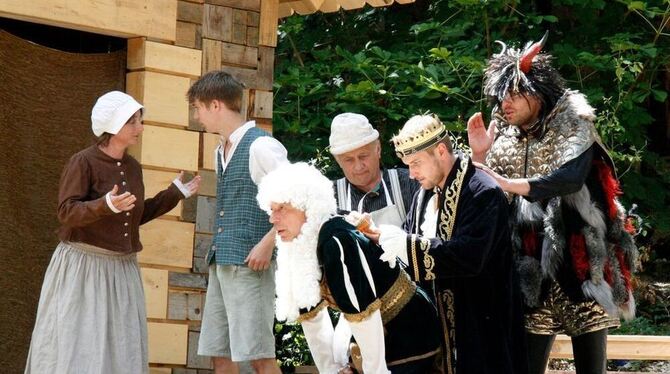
{"x": 82, "y": 206}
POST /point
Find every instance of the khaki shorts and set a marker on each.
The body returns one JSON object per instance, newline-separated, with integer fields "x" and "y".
{"x": 238, "y": 319}
{"x": 559, "y": 315}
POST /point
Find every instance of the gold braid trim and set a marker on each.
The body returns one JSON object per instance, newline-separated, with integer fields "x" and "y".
{"x": 451, "y": 197}
{"x": 312, "y": 313}
{"x": 415, "y": 262}
{"x": 428, "y": 260}
{"x": 413, "y": 358}
{"x": 358, "y": 317}
{"x": 397, "y": 296}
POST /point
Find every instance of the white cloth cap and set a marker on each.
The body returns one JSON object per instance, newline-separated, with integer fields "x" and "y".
{"x": 112, "y": 111}
{"x": 349, "y": 131}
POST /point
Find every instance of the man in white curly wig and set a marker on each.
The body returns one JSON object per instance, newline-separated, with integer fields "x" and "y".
{"x": 323, "y": 261}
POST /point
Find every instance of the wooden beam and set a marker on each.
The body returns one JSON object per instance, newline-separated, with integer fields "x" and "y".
{"x": 261, "y": 104}
{"x": 209, "y": 144}
{"x": 150, "y": 18}
{"x": 218, "y": 23}
{"x": 189, "y": 12}
{"x": 164, "y": 58}
{"x": 379, "y": 3}
{"x": 155, "y": 181}
{"x": 330, "y": 6}
{"x": 211, "y": 55}
{"x": 167, "y": 243}
{"x": 285, "y": 10}
{"x": 239, "y": 4}
{"x": 252, "y": 36}
{"x": 351, "y": 4}
{"x": 235, "y": 54}
{"x": 158, "y": 370}
{"x": 167, "y": 148}
{"x": 268, "y": 23}
{"x": 168, "y": 343}
{"x": 208, "y": 184}
{"x": 188, "y": 35}
{"x": 629, "y": 347}
{"x": 266, "y": 68}
{"x": 163, "y": 96}
{"x": 155, "y": 283}
{"x": 306, "y": 6}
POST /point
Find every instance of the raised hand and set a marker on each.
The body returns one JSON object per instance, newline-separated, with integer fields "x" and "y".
{"x": 193, "y": 185}
{"x": 123, "y": 202}
{"x": 480, "y": 138}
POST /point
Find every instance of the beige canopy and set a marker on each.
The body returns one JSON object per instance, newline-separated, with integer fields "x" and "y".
{"x": 289, "y": 7}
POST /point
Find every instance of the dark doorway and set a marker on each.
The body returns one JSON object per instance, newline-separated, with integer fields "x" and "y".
{"x": 49, "y": 81}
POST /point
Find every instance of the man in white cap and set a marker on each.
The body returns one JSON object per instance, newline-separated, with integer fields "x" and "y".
{"x": 366, "y": 188}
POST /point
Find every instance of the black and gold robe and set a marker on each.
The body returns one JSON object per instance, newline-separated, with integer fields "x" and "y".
{"x": 469, "y": 266}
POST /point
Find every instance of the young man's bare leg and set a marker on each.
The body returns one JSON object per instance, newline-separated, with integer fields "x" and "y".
{"x": 266, "y": 366}
{"x": 224, "y": 365}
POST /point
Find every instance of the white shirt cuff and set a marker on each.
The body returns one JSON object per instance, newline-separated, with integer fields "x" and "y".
{"x": 111, "y": 206}
{"x": 182, "y": 188}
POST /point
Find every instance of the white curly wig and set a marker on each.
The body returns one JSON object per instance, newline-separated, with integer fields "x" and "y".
{"x": 298, "y": 273}
{"x": 300, "y": 185}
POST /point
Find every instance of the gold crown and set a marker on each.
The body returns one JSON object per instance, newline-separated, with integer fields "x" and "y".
{"x": 431, "y": 135}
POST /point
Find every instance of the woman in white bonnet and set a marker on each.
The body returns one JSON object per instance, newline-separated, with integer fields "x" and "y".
{"x": 91, "y": 316}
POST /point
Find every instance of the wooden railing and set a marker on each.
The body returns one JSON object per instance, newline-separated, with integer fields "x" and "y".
{"x": 628, "y": 347}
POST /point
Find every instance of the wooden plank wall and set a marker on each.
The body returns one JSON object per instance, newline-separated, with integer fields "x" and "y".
{"x": 170, "y": 44}
{"x": 238, "y": 36}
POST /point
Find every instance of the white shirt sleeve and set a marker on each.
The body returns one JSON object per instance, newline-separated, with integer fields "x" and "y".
{"x": 111, "y": 206}
{"x": 369, "y": 335}
{"x": 265, "y": 154}
{"x": 182, "y": 188}
{"x": 319, "y": 335}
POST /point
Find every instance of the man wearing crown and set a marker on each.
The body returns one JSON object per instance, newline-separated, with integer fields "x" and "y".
{"x": 459, "y": 244}
{"x": 572, "y": 248}
{"x": 324, "y": 262}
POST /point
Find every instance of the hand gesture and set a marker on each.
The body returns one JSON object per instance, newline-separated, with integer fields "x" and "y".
{"x": 479, "y": 138}
{"x": 499, "y": 178}
{"x": 393, "y": 241}
{"x": 260, "y": 256}
{"x": 123, "y": 202}
{"x": 193, "y": 185}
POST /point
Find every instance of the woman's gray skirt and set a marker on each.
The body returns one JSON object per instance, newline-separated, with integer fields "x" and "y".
{"x": 91, "y": 316}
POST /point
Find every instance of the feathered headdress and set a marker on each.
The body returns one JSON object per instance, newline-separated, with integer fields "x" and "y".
{"x": 523, "y": 71}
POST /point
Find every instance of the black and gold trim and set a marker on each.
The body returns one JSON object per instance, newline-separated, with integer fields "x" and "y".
{"x": 420, "y": 255}
{"x": 362, "y": 316}
{"x": 450, "y": 205}
{"x": 397, "y": 296}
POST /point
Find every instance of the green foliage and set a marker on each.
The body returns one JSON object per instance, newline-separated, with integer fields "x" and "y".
{"x": 392, "y": 63}
{"x": 292, "y": 349}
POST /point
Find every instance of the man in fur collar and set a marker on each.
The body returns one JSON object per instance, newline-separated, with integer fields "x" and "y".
{"x": 572, "y": 250}
{"x": 323, "y": 261}
{"x": 457, "y": 242}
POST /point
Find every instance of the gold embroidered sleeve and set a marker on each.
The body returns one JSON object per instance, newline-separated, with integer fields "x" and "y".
{"x": 421, "y": 262}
